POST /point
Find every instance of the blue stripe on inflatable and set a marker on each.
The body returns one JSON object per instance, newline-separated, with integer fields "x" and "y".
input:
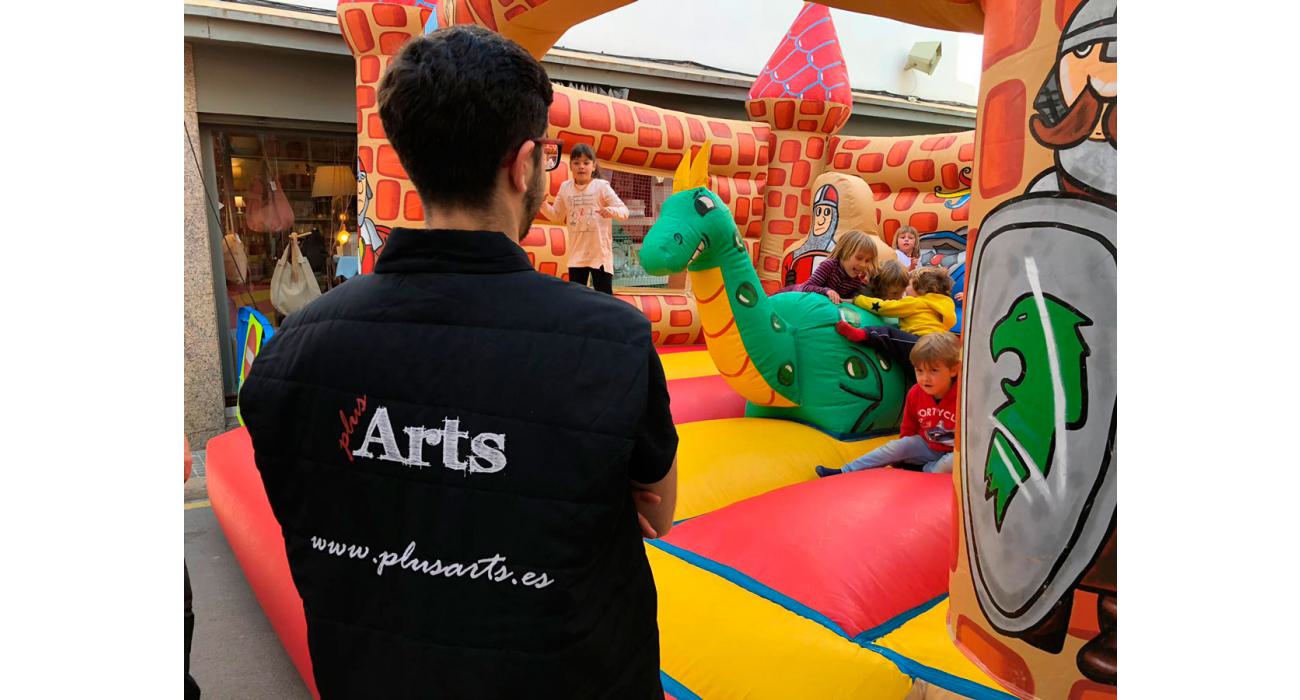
{"x": 943, "y": 679}
{"x": 896, "y": 621}
{"x": 676, "y": 689}
{"x": 750, "y": 584}
{"x": 911, "y": 667}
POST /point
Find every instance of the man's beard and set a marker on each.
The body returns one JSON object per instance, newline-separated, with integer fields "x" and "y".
{"x": 532, "y": 200}
{"x": 1078, "y": 124}
{"x": 1089, "y": 163}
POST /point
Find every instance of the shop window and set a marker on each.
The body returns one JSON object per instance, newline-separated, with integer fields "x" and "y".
{"x": 298, "y": 164}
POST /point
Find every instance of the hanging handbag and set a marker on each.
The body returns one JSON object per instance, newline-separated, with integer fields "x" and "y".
{"x": 269, "y": 210}
{"x": 233, "y": 255}
{"x": 235, "y": 258}
{"x": 293, "y": 284}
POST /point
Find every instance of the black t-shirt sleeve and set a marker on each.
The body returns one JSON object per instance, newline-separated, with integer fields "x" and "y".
{"x": 656, "y": 437}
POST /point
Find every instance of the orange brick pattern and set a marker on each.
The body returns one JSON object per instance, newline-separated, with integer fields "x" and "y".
{"x": 907, "y": 174}
{"x": 797, "y": 159}
{"x": 803, "y": 93}
{"x": 673, "y": 319}
{"x": 373, "y": 31}
{"x": 1008, "y": 156}
{"x": 545, "y": 246}
{"x": 650, "y": 140}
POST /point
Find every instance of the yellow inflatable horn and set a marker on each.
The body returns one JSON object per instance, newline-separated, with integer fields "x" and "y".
{"x": 693, "y": 172}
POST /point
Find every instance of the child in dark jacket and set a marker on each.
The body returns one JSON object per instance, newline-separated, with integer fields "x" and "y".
{"x": 929, "y": 310}
{"x": 841, "y": 276}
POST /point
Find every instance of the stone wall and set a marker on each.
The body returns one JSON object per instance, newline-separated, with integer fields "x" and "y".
{"x": 205, "y": 413}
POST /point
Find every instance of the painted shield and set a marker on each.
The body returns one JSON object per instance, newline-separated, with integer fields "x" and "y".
{"x": 1039, "y": 387}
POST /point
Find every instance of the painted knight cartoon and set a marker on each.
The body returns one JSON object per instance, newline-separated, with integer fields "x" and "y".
{"x": 371, "y": 237}
{"x": 800, "y": 263}
{"x": 1038, "y": 441}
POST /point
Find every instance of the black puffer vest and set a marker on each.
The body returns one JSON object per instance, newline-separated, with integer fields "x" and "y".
{"x": 447, "y": 444}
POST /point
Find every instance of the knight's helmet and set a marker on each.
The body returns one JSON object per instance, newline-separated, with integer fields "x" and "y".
{"x": 1094, "y": 21}
{"x": 363, "y": 191}
{"x": 827, "y": 195}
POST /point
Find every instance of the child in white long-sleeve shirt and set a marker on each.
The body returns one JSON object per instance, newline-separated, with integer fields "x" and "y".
{"x": 586, "y": 204}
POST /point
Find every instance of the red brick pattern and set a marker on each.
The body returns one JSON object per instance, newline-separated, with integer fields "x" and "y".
{"x": 803, "y": 94}
{"x": 648, "y": 139}
{"x": 787, "y": 113}
{"x": 1009, "y": 28}
{"x": 762, "y": 169}
{"x": 906, "y": 173}
{"x": 636, "y": 137}
{"x": 1065, "y": 8}
{"x": 1002, "y": 139}
{"x": 668, "y": 325}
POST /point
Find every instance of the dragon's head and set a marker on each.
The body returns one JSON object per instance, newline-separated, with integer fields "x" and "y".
{"x": 694, "y": 226}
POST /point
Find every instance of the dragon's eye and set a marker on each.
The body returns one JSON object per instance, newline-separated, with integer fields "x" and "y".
{"x": 704, "y": 204}
{"x": 855, "y": 367}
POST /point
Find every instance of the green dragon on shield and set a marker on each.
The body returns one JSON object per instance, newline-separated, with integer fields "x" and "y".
{"x": 1044, "y": 333}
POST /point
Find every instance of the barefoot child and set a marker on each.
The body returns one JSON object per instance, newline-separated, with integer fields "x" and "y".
{"x": 586, "y": 204}
{"x": 925, "y": 439}
{"x": 841, "y": 276}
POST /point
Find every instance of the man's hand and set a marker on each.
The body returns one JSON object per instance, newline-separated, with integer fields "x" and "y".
{"x": 834, "y": 296}
{"x": 655, "y": 504}
{"x": 645, "y": 499}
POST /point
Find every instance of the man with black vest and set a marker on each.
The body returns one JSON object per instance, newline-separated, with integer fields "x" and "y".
{"x": 463, "y": 453}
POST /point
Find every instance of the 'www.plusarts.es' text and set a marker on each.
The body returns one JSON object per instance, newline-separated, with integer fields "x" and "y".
{"x": 492, "y": 569}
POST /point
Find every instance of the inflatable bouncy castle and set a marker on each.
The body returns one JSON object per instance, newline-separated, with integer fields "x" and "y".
{"x": 996, "y": 581}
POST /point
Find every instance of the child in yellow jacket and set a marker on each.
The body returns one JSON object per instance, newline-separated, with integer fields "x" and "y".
{"x": 929, "y": 310}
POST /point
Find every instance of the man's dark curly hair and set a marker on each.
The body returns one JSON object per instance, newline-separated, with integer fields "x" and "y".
{"x": 454, "y": 103}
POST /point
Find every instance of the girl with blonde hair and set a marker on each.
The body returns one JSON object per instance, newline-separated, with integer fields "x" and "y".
{"x": 907, "y": 245}
{"x": 841, "y": 276}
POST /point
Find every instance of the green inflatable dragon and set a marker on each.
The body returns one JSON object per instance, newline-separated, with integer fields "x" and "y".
{"x": 782, "y": 352}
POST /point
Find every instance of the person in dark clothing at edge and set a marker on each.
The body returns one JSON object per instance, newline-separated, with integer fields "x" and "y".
{"x": 463, "y": 453}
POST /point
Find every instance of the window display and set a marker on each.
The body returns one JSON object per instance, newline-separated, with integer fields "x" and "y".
{"x": 276, "y": 186}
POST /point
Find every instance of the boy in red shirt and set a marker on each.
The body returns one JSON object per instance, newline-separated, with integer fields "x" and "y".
{"x": 926, "y": 437}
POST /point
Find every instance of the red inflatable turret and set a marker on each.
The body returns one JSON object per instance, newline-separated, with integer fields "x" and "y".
{"x": 803, "y": 93}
